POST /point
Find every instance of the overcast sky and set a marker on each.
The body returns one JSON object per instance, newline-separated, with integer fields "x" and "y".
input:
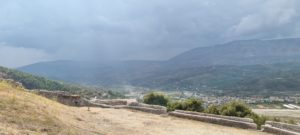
{"x": 42, "y": 30}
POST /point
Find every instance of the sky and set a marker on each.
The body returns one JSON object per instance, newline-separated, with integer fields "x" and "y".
{"x": 95, "y": 30}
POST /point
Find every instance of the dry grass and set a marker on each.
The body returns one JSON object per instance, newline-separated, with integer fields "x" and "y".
{"x": 128, "y": 122}
{"x": 26, "y": 113}
{"x": 283, "y": 114}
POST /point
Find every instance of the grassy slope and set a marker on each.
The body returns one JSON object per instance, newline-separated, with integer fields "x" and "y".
{"x": 26, "y": 113}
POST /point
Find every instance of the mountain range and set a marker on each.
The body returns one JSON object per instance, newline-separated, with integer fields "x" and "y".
{"x": 244, "y": 65}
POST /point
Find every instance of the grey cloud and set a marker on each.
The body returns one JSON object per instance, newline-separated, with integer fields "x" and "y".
{"x": 276, "y": 17}
{"x": 135, "y": 29}
{"x": 18, "y": 56}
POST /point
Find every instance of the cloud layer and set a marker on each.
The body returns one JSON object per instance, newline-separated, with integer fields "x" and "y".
{"x": 135, "y": 29}
{"x": 12, "y": 56}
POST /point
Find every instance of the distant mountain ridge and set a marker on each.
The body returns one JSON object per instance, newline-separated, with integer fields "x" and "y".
{"x": 243, "y": 52}
{"x": 231, "y": 66}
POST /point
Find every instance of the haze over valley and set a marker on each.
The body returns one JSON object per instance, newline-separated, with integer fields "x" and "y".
{"x": 238, "y": 66}
{"x": 158, "y": 67}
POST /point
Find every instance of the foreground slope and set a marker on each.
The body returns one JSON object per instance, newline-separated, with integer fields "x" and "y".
{"x": 26, "y": 113}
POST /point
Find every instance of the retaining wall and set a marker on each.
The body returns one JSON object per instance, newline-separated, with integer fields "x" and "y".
{"x": 149, "y": 110}
{"x": 286, "y": 126}
{"x": 217, "y": 116}
{"x": 148, "y": 106}
{"x": 62, "y": 97}
{"x": 112, "y": 102}
{"x": 215, "y": 120}
{"x": 277, "y": 131}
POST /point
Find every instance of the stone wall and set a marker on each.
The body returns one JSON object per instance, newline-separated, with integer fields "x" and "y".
{"x": 295, "y": 128}
{"x": 128, "y": 104}
{"x": 217, "y": 116}
{"x": 148, "y": 106}
{"x": 62, "y": 97}
{"x": 215, "y": 120}
{"x": 281, "y": 128}
{"x": 112, "y": 102}
{"x": 277, "y": 131}
{"x": 147, "y": 109}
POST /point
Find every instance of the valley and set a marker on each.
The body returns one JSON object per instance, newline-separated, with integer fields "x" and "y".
{"x": 162, "y": 67}
{"x": 262, "y": 67}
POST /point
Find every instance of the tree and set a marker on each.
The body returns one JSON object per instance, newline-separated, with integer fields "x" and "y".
{"x": 191, "y": 104}
{"x": 235, "y": 108}
{"x": 156, "y": 99}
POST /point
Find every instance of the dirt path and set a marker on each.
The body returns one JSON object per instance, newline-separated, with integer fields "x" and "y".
{"x": 128, "y": 122}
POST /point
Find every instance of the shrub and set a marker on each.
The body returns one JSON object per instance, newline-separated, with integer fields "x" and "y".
{"x": 291, "y": 122}
{"x": 188, "y": 105}
{"x": 235, "y": 108}
{"x": 276, "y": 119}
{"x": 212, "y": 109}
{"x": 174, "y": 106}
{"x": 258, "y": 120}
{"x": 156, "y": 99}
{"x": 193, "y": 105}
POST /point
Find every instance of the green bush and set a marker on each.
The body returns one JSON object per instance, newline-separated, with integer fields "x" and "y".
{"x": 188, "y": 105}
{"x": 235, "y": 108}
{"x": 258, "y": 120}
{"x": 174, "y": 106}
{"x": 212, "y": 109}
{"x": 276, "y": 119}
{"x": 156, "y": 99}
{"x": 291, "y": 121}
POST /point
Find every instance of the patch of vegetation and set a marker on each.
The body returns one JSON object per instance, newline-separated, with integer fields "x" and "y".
{"x": 290, "y": 121}
{"x": 35, "y": 82}
{"x": 235, "y": 108}
{"x": 156, "y": 99}
{"x": 258, "y": 120}
{"x": 212, "y": 109}
{"x": 283, "y": 120}
{"x": 191, "y": 104}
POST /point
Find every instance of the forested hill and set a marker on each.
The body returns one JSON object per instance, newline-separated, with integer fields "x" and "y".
{"x": 35, "y": 82}
{"x": 248, "y": 65}
{"x": 241, "y": 52}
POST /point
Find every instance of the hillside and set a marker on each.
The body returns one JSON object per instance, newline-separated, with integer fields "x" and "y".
{"x": 241, "y": 52}
{"x": 35, "y": 82}
{"x": 26, "y": 113}
{"x": 247, "y": 67}
{"x": 250, "y": 79}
